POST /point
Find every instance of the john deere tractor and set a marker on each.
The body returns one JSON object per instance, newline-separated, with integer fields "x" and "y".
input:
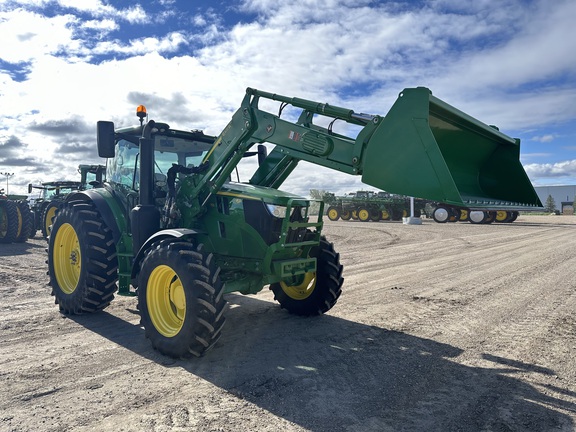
{"x": 54, "y": 193}
{"x": 170, "y": 227}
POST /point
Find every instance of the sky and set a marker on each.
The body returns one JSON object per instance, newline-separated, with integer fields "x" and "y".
{"x": 65, "y": 64}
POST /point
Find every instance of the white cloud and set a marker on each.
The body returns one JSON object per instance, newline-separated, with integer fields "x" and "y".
{"x": 28, "y": 35}
{"x": 544, "y": 138}
{"x": 105, "y": 24}
{"x": 559, "y": 169}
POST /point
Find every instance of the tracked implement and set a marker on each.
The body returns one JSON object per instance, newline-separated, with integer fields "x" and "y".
{"x": 169, "y": 226}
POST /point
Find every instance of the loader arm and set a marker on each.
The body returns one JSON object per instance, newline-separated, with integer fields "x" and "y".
{"x": 422, "y": 147}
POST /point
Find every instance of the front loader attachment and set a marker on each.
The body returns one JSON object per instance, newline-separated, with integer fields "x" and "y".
{"x": 426, "y": 148}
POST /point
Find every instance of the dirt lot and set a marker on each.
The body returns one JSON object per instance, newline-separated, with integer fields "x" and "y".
{"x": 452, "y": 327}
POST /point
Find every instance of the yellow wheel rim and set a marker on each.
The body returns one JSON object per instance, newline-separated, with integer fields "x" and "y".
{"x": 345, "y": 215}
{"x": 501, "y": 215}
{"x": 463, "y": 215}
{"x": 303, "y": 289}
{"x": 385, "y": 214}
{"x": 333, "y": 214}
{"x": 49, "y": 216}
{"x": 20, "y": 221}
{"x": 363, "y": 215}
{"x": 67, "y": 259}
{"x": 166, "y": 301}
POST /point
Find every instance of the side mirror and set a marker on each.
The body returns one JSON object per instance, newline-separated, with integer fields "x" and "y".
{"x": 105, "y": 139}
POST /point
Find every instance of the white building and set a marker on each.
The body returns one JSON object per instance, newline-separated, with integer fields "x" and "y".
{"x": 563, "y": 196}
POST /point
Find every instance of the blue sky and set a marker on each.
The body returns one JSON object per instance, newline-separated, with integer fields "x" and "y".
{"x": 65, "y": 64}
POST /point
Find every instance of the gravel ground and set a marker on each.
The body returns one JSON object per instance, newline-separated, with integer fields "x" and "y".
{"x": 440, "y": 327}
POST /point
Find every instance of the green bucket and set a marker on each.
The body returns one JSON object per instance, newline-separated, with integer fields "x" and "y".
{"x": 428, "y": 149}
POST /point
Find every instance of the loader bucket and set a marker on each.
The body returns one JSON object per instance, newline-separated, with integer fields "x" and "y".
{"x": 428, "y": 149}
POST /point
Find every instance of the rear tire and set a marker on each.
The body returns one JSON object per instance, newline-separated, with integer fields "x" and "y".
{"x": 345, "y": 215}
{"x": 25, "y": 222}
{"x": 82, "y": 261}
{"x": 316, "y": 292}
{"x": 8, "y": 221}
{"x": 180, "y": 295}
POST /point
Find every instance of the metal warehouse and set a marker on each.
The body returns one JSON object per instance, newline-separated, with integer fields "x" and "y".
{"x": 563, "y": 196}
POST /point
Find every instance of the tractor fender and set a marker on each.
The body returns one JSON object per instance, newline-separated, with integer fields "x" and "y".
{"x": 105, "y": 204}
{"x": 160, "y": 235}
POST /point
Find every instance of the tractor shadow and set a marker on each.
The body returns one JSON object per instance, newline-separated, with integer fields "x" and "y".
{"x": 28, "y": 247}
{"x": 330, "y": 374}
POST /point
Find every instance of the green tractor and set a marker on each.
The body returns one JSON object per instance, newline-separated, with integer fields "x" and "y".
{"x": 170, "y": 227}
{"x": 54, "y": 193}
{"x": 45, "y": 205}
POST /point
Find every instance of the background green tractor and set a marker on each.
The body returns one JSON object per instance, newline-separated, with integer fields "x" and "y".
{"x": 53, "y": 194}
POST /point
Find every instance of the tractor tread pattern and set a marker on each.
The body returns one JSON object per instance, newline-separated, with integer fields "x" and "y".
{"x": 328, "y": 287}
{"x": 98, "y": 281}
{"x": 9, "y": 229}
{"x": 204, "y": 296}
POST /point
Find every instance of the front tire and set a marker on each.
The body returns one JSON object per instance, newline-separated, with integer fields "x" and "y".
{"x": 48, "y": 217}
{"x": 180, "y": 296}
{"x": 82, "y": 261}
{"x": 315, "y": 292}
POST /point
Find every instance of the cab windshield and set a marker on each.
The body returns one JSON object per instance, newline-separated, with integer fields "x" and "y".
{"x": 123, "y": 168}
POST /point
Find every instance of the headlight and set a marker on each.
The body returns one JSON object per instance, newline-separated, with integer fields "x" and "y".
{"x": 276, "y": 210}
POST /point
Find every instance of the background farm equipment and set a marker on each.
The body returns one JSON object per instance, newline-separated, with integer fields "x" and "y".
{"x": 371, "y": 206}
{"x": 169, "y": 226}
{"x": 16, "y": 220}
{"x": 54, "y": 193}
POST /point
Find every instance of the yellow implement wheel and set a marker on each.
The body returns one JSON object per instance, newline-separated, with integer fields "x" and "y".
{"x": 67, "y": 258}
{"x": 333, "y": 214}
{"x": 166, "y": 301}
{"x": 385, "y": 215}
{"x": 301, "y": 290}
{"x": 363, "y": 214}
{"x": 501, "y": 216}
